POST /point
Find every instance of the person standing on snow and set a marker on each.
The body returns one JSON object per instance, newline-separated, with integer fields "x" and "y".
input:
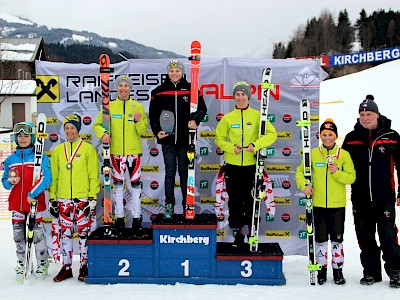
{"x": 237, "y": 135}
{"x": 73, "y": 193}
{"x": 18, "y": 177}
{"x": 332, "y": 169}
{"x": 173, "y": 96}
{"x": 375, "y": 149}
{"x": 128, "y": 121}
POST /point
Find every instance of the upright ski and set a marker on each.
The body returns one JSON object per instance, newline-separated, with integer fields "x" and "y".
{"x": 105, "y": 71}
{"x": 194, "y": 90}
{"x": 37, "y": 169}
{"x": 305, "y": 125}
{"x": 259, "y": 188}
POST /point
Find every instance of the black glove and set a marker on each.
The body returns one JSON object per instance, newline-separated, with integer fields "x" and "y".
{"x": 53, "y": 209}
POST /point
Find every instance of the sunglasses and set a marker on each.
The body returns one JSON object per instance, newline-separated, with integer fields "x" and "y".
{"x": 24, "y": 128}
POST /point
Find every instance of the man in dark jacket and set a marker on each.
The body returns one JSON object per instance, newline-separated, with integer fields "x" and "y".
{"x": 375, "y": 150}
{"x": 172, "y": 99}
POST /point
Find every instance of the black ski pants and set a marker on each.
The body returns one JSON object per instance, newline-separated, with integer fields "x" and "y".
{"x": 239, "y": 183}
{"x": 372, "y": 217}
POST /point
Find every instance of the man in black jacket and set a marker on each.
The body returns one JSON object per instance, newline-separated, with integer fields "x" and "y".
{"x": 375, "y": 150}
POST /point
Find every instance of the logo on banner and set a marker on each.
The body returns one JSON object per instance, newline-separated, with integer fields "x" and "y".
{"x": 284, "y": 135}
{"x": 47, "y": 89}
{"x": 86, "y": 136}
{"x": 271, "y": 118}
{"x": 184, "y": 239}
{"x": 210, "y": 167}
{"x": 207, "y": 134}
{"x": 302, "y": 234}
{"x": 150, "y": 169}
{"x": 278, "y": 233}
{"x": 203, "y": 151}
{"x": 287, "y": 118}
{"x": 305, "y": 79}
{"x": 279, "y": 168}
{"x": 282, "y": 201}
{"x": 204, "y": 184}
{"x": 207, "y": 200}
{"x": 53, "y": 137}
{"x": 87, "y": 120}
{"x": 302, "y": 218}
{"x": 205, "y": 119}
{"x": 52, "y": 121}
{"x": 150, "y": 201}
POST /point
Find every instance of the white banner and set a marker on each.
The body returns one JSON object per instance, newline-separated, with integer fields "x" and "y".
{"x": 75, "y": 88}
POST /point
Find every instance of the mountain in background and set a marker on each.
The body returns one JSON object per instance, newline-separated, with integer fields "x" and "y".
{"x": 59, "y": 42}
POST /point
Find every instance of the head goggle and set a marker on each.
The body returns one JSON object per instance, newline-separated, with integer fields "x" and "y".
{"x": 25, "y": 128}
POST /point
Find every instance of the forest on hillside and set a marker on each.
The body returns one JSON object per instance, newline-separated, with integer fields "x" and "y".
{"x": 325, "y": 36}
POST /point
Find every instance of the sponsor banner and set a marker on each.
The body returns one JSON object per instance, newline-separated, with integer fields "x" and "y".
{"x": 76, "y": 88}
{"x": 365, "y": 57}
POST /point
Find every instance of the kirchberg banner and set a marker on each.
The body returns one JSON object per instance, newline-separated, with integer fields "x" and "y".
{"x": 63, "y": 89}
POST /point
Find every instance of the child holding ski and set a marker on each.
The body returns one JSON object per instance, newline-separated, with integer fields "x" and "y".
{"x": 173, "y": 96}
{"x": 237, "y": 135}
{"x": 73, "y": 193}
{"x": 332, "y": 168}
{"x": 128, "y": 122}
{"x": 18, "y": 177}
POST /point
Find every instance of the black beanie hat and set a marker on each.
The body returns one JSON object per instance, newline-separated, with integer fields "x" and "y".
{"x": 328, "y": 125}
{"x": 368, "y": 105}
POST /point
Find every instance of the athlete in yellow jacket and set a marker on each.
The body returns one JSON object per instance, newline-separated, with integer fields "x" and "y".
{"x": 128, "y": 121}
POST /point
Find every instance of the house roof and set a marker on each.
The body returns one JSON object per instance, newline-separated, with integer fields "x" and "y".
{"x": 18, "y": 87}
{"x": 21, "y": 49}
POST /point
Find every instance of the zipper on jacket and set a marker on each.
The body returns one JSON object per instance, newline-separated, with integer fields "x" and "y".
{"x": 176, "y": 115}
{"x": 241, "y": 113}
{"x": 70, "y": 172}
{"x": 370, "y": 153}
{"x": 22, "y": 180}
{"x": 123, "y": 130}
{"x": 326, "y": 180}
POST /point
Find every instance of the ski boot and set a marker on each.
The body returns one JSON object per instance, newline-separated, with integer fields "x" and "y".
{"x": 321, "y": 277}
{"x": 394, "y": 276}
{"x": 169, "y": 211}
{"x": 19, "y": 271}
{"x": 42, "y": 269}
{"x": 83, "y": 272}
{"x": 119, "y": 227}
{"x": 369, "y": 279}
{"x": 65, "y": 273}
{"x": 338, "y": 276}
{"x": 238, "y": 243}
{"x": 137, "y": 228}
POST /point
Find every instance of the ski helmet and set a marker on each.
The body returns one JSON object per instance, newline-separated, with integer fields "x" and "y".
{"x": 25, "y": 127}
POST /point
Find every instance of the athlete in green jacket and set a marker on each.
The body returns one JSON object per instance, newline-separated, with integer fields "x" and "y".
{"x": 237, "y": 135}
{"x": 332, "y": 168}
{"x": 73, "y": 192}
{"x": 128, "y": 121}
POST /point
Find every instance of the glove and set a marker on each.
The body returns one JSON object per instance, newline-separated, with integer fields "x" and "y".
{"x": 91, "y": 206}
{"x": 53, "y": 209}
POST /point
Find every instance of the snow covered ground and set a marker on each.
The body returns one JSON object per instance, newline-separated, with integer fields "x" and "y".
{"x": 352, "y": 89}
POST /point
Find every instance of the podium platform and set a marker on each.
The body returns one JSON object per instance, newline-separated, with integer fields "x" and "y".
{"x": 180, "y": 250}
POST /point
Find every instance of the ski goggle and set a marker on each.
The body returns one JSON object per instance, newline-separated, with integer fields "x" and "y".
{"x": 25, "y": 128}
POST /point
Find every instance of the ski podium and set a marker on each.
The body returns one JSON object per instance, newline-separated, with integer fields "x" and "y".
{"x": 183, "y": 248}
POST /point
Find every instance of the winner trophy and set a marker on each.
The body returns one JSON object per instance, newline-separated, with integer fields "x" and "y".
{"x": 167, "y": 121}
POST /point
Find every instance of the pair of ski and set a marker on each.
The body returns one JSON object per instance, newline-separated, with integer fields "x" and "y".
{"x": 305, "y": 124}
{"x": 37, "y": 169}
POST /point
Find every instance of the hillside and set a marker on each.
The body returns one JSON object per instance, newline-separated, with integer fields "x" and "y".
{"x": 11, "y": 26}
